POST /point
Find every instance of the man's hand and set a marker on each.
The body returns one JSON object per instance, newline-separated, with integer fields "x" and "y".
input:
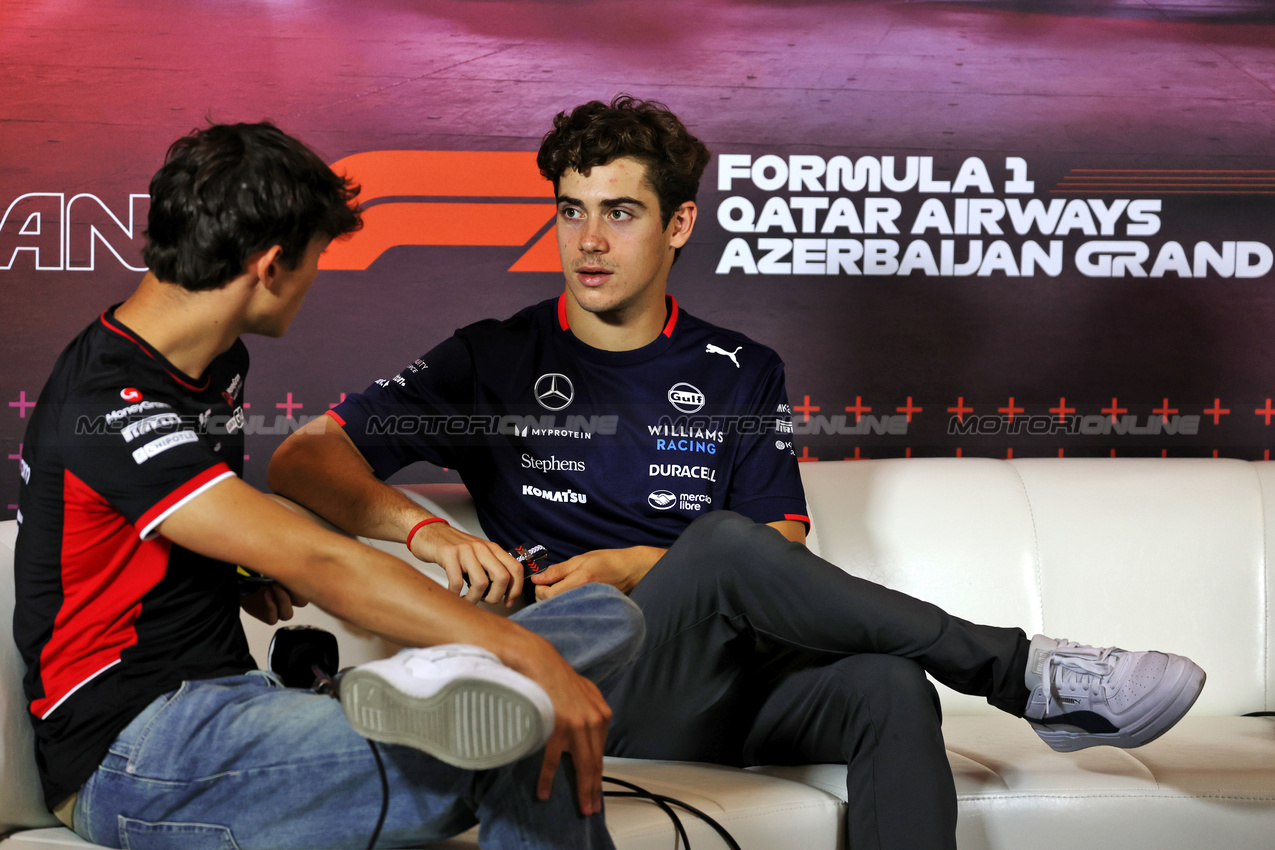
{"x": 493, "y": 573}
{"x": 620, "y": 568}
{"x": 581, "y": 718}
{"x": 271, "y": 603}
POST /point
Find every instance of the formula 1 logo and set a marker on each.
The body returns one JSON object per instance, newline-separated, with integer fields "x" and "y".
{"x": 479, "y": 188}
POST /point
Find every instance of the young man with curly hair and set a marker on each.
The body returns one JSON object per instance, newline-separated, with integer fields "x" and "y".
{"x": 154, "y": 728}
{"x": 666, "y": 471}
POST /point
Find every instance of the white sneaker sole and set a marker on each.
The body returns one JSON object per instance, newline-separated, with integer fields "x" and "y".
{"x": 1190, "y": 681}
{"x": 473, "y": 724}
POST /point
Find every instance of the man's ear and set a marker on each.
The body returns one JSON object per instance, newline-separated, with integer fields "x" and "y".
{"x": 266, "y": 265}
{"x": 681, "y": 224}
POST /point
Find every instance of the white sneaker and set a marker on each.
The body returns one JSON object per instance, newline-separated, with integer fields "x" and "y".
{"x": 458, "y": 703}
{"x": 1085, "y": 696}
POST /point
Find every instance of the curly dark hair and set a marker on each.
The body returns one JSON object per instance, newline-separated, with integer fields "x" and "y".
{"x": 231, "y": 190}
{"x": 596, "y": 133}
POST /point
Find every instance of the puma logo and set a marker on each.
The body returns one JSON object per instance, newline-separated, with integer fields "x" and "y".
{"x": 712, "y": 349}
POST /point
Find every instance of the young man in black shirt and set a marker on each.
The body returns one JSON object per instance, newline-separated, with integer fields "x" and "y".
{"x": 757, "y": 651}
{"x": 153, "y": 726}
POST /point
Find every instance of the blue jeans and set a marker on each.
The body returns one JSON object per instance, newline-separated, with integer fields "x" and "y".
{"x": 242, "y": 762}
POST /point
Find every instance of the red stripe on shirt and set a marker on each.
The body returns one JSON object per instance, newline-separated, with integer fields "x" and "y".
{"x": 336, "y": 416}
{"x": 146, "y": 351}
{"x": 668, "y": 326}
{"x": 562, "y": 312}
{"x": 106, "y": 570}
{"x": 672, "y": 316}
{"x": 799, "y": 518}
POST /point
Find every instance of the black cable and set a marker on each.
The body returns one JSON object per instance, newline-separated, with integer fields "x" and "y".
{"x": 661, "y": 799}
{"x": 677, "y": 822}
{"x": 385, "y": 795}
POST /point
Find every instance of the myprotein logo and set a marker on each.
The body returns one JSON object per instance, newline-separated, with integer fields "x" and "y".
{"x": 478, "y": 198}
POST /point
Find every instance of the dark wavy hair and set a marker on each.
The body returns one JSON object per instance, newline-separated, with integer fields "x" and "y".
{"x": 596, "y": 133}
{"x": 231, "y": 190}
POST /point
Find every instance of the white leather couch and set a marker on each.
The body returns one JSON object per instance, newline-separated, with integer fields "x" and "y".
{"x": 1172, "y": 554}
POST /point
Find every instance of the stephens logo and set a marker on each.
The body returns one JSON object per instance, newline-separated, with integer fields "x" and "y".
{"x": 552, "y": 464}
{"x": 130, "y": 394}
{"x": 685, "y": 397}
{"x": 554, "y": 391}
{"x": 662, "y": 500}
{"x": 494, "y": 198}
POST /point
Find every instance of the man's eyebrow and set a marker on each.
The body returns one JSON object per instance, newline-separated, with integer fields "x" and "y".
{"x": 609, "y": 203}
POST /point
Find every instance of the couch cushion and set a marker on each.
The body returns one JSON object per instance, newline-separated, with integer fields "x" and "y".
{"x": 1158, "y": 554}
{"x": 756, "y": 809}
{"x": 1207, "y": 783}
{"x": 1139, "y": 553}
{"x": 21, "y": 802}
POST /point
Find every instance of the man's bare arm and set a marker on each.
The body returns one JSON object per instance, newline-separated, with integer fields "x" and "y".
{"x": 320, "y": 467}
{"x": 792, "y": 529}
{"x": 233, "y": 522}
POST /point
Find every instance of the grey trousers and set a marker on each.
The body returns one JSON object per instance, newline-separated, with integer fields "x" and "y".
{"x": 759, "y": 652}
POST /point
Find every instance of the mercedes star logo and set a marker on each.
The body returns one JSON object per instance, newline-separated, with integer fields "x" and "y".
{"x": 554, "y": 391}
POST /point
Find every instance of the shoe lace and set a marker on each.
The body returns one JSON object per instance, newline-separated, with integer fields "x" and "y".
{"x": 1077, "y": 667}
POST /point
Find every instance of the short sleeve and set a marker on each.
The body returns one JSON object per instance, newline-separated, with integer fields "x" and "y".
{"x": 422, "y": 413}
{"x": 765, "y": 480}
{"x": 143, "y": 458}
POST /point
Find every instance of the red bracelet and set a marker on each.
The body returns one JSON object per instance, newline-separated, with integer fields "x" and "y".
{"x": 420, "y": 525}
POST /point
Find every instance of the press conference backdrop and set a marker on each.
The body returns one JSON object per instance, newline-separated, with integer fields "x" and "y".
{"x": 969, "y": 230}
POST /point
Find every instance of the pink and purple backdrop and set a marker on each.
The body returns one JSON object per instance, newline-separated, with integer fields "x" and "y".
{"x": 1156, "y": 118}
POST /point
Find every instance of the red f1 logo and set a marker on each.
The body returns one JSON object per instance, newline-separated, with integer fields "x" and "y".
{"x": 471, "y": 180}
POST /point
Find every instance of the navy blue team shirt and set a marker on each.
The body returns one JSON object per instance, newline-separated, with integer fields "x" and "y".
{"x": 578, "y": 448}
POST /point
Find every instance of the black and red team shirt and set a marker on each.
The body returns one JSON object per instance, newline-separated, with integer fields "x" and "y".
{"x": 577, "y": 448}
{"x": 110, "y": 615}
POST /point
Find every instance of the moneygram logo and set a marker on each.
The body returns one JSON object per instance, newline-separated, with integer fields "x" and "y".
{"x": 449, "y": 198}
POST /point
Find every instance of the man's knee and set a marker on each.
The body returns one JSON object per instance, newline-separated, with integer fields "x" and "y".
{"x": 625, "y": 627}
{"x": 894, "y": 687}
{"x": 723, "y": 539}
